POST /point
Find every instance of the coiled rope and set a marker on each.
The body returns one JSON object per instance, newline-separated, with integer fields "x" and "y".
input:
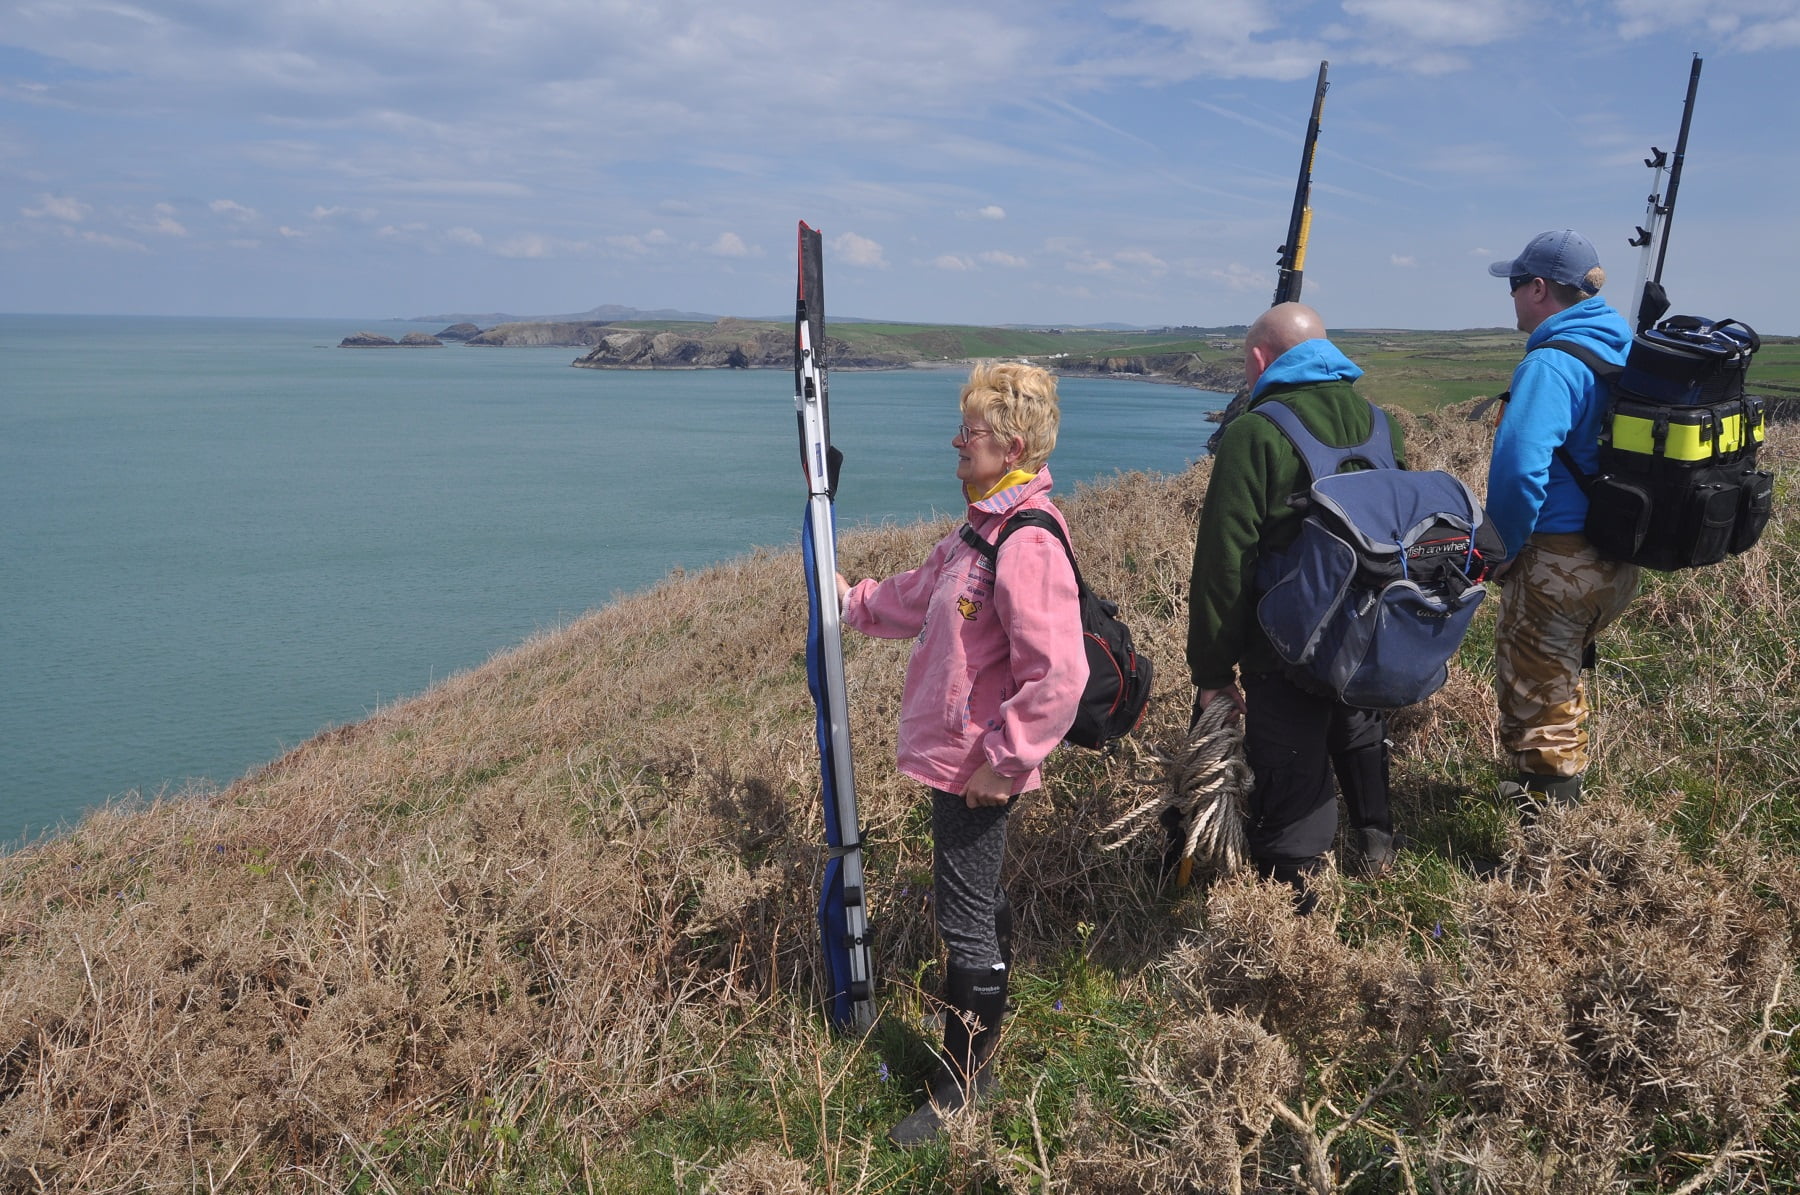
{"x": 1207, "y": 781}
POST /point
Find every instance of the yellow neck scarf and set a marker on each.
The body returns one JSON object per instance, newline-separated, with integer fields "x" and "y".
{"x": 1016, "y": 477}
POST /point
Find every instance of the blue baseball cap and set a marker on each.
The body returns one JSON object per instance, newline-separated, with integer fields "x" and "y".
{"x": 1565, "y": 256}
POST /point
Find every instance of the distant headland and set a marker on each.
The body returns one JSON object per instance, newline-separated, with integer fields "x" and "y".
{"x": 375, "y": 340}
{"x": 614, "y": 337}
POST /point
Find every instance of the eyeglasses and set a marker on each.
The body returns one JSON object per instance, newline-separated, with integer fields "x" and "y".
{"x": 965, "y": 433}
{"x": 1518, "y": 280}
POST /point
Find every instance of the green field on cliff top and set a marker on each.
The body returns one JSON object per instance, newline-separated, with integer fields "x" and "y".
{"x": 1414, "y": 370}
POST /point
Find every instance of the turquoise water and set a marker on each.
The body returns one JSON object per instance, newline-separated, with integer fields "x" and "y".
{"x": 218, "y": 537}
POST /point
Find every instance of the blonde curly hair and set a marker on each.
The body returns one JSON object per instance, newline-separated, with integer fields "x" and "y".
{"x": 1016, "y": 400}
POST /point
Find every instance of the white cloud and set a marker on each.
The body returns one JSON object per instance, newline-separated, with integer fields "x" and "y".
{"x": 162, "y": 220}
{"x": 1142, "y": 259}
{"x": 1782, "y": 34}
{"x": 855, "y": 250}
{"x": 950, "y": 261}
{"x": 285, "y": 231}
{"x": 528, "y": 245}
{"x": 59, "y": 207}
{"x": 232, "y": 208}
{"x": 1082, "y": 260}
{"x": 995, "y": 257}
{"x": 1443, "y": 22}
{"x": 464, "y": 236}
{"x": 643, "y": 244}
{"x": 1241, "y": 278}
{"x": 729, "y": 244}
{"x": 340, "y": 212}
{"x": 1747, "y": 25}
{"x": 992, "y": 211}
{"x": 1403, "y": 260}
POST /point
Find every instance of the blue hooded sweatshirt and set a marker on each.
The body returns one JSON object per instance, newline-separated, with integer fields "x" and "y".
{"x": 1308, "y": 361}
{"x": 1555, "y": 401}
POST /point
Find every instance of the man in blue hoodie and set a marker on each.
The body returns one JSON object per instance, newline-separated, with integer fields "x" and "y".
{"x": 1294, "y": 739}
{"x": 1557, "y": 592}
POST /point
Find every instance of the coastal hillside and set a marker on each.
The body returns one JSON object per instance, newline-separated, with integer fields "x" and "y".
{"x": 550, "y": 926}
{"x": 1414, "y": 370}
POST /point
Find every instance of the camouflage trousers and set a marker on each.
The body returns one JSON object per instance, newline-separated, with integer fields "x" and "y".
{"x": 1558, "y": 596}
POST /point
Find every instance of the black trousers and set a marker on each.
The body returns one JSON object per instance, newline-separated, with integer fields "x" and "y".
{"x": 1291, "y": 737}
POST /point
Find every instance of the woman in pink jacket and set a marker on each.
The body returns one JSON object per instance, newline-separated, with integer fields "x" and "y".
{"x": 997, "y": 668}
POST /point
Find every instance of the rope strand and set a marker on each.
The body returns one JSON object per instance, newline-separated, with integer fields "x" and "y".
{"x": 1206, "y": 781}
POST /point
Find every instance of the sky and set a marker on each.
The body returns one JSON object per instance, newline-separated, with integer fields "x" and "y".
{"x": 968, "y": 161}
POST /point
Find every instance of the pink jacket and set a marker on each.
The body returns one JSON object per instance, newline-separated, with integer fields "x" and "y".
{"x": 998, "y": 667}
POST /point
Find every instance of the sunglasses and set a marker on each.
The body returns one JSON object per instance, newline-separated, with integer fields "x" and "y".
{"x": 1518, "y": 280}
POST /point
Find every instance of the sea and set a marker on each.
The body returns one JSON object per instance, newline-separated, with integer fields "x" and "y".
{"x": 219, "y": 537}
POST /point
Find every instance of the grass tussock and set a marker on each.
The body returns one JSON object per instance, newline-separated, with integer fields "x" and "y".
{"x": 550, "y": 926}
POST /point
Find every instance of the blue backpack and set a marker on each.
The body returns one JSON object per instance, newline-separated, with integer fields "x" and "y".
{"x": 1373, "y": 598}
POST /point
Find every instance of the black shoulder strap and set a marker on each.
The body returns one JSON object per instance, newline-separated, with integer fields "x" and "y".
{"x": 1605, "y": 372}
{"x": 1031, "y": 516}
{"x": 1603, "y": 369}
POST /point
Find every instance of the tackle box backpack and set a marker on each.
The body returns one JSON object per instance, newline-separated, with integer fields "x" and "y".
{"x": 1677, "y": 485}
{"x": 1374, "y": 596}
{"x": 1118, "y": 684}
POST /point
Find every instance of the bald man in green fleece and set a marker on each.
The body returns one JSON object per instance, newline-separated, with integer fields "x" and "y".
{"x": 1295, "y": 739}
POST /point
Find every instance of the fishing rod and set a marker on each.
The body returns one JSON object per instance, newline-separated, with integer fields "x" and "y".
{"x": 1648, "y": 299}
{"x": 843, "y": 912}
{"x": 1291, "y": 259}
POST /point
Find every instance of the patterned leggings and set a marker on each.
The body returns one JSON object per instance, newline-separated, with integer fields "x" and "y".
{"x": 1558, "y": 596}
{"x": 968, "y": 847}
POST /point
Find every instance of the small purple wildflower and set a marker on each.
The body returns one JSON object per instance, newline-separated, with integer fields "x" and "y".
{"x": 881, "y": 1072}
{"x": 1437, "y": 931}
{"x": 1059, "y": 1006}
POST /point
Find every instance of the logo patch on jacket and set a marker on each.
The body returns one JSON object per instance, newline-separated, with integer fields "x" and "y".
{"x": 968, "y": 609}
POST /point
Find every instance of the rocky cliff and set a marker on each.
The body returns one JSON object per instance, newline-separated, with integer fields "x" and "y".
{"x": 727, "y": 344}
{"x": 531, "y": 335}
{"x": 375, "y": 340}
{"x": 1186, "y": 368}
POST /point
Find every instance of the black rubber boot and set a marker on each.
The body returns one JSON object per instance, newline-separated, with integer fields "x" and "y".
{"x": 1556, "y": 790}
{"x": 1294, "y": 875}
{"x": 1362, "y": 776}
{"x": 1174, "y": 826}
{"x": 974, "y": 995}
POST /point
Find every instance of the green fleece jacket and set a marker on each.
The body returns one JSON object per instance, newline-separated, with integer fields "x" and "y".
{"x": 1246, "y": 513}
